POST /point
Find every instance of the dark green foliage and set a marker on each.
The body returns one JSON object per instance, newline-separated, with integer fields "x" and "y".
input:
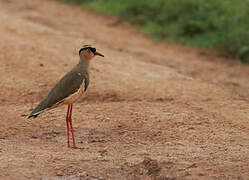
{"x": 223, "y": 24}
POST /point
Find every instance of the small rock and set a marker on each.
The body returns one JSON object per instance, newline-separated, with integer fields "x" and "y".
{"x": 34, "y": 137}
{"x": 59, "y": 173}
{"x": 82, "y": 174}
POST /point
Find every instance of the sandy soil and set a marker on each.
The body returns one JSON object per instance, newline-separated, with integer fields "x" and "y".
{"x": 152, "y": 111}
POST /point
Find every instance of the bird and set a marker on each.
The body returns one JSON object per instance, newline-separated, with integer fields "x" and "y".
{"x": 69, "y": 89}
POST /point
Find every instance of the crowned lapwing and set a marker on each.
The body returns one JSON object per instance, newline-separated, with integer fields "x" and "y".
{"x": 70, "y": 88}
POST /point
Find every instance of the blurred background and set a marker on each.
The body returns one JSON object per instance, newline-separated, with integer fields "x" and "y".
{"x": 222, "y": 24}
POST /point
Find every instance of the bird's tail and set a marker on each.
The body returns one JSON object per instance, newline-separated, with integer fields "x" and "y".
{"x": 33, "y": 115}
{"x": 38, "y": 110}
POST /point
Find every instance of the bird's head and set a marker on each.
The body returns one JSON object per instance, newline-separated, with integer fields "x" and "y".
{"x": 87, "y": 52}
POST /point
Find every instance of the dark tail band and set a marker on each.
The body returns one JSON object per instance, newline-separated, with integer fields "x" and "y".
{"x": 33, "y": 116}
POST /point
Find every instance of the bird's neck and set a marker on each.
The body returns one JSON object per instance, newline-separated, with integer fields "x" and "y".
{"x": 84, "y": 65}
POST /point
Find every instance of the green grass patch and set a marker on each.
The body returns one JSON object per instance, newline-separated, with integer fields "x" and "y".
{"x": 222, "y": 24}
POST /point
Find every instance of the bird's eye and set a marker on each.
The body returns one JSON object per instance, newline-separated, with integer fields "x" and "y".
{"x": 93, "y": 50}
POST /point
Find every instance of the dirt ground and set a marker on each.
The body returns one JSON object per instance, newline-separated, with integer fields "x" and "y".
{"x": 152, "y": 111}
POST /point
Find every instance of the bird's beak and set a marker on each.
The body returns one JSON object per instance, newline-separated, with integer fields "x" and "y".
{"x": 99, "y": 54}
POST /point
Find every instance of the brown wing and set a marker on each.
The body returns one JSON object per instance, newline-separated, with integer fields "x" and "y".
{"x": 67, "y": 86}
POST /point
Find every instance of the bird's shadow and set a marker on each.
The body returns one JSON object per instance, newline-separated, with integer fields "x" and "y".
{"x": 78, "y": 148}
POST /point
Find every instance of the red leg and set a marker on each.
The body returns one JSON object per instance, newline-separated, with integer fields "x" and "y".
{"x": 67, "y": 121}
{"x": 71, "y": 125}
